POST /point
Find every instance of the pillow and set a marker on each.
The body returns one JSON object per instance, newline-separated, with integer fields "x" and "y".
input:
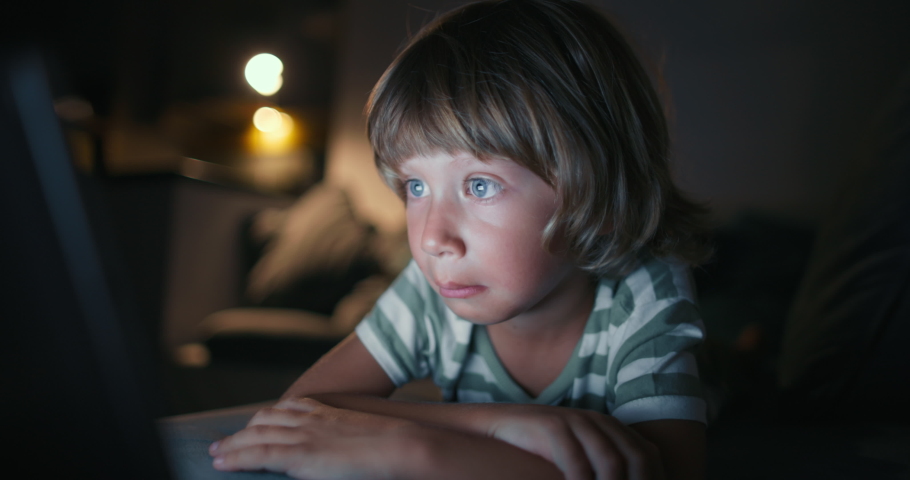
{"x": 318, "y": 236}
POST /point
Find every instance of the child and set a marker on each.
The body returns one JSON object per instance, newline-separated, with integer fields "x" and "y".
{"x": 549, "y": 296}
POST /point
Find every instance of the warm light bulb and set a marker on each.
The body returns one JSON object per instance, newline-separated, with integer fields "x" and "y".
{"x": 267, "y": 119}
{"x": 263, "y": 73}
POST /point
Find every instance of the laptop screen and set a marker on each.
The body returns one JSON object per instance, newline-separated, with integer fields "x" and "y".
{"x": 76, "y": 396}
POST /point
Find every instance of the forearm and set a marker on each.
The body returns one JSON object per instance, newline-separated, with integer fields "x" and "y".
{"x": 366, "y": 391}
{"x": 446, "y": 454}
{"x": 472, "y": 418}
{"x": 307, "y": 439}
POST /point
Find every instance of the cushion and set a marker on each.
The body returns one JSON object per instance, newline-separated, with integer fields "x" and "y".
{"x": 317, "y": 236}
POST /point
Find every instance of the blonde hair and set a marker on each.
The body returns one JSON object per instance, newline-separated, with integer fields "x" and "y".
{"x": 553, "y": 86}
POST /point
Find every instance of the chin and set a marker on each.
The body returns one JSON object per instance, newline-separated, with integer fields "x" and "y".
{"x": 478, "y": 314}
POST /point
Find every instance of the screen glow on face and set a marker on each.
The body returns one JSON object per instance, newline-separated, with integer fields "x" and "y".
{"x": 475, "y": 228}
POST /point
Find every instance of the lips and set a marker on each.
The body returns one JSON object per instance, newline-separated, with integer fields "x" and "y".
{"x": 454, "y": 290}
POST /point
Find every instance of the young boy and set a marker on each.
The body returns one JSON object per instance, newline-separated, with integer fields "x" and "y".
{"x": 549, "y": 296}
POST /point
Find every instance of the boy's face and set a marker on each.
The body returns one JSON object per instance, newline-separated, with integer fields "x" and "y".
{"x": 475, "y": 230}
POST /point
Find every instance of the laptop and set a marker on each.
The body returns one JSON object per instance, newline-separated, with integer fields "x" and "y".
{"x": 78, "y": 392}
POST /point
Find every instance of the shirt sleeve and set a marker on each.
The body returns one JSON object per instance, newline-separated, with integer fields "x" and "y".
{"x": 653, "y": 371}
{"x": 395, "y": 332}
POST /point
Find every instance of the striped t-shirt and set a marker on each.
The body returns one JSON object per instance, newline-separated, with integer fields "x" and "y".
{"x": 634, "y": 361}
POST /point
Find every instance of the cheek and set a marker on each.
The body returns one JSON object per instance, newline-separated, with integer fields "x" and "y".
{"x": 415, "y": 228}
{"x": 520, "y": 247}
{"x": 514, "y": 250}
{"x": 523, "y": 227}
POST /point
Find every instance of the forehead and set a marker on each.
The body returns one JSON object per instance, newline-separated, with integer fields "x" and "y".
{"x": 455, "y": 161}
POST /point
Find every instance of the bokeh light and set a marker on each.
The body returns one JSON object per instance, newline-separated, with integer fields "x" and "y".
{"x": 273, "y": 132}
{"x": 263, "y": 73}
{"x": 267, "y": 119}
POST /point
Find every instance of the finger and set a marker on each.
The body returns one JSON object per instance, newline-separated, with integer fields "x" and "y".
{"x": 641, "y": 457}
{"x": 271, "y": 457}
{"x": 277, "y": 416}
{"x": 605, "y": 458}
{"x": 568, "y": 453}
{"x": 258, "y": 434}
{"x": 301, "y": 404}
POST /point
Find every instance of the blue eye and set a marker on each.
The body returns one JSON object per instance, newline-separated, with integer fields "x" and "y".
{"x": 482, "y": 187}
{"x": 416, "y": 188}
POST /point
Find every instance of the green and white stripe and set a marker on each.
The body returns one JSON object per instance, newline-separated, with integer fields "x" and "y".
{"x": 635, "y": 359}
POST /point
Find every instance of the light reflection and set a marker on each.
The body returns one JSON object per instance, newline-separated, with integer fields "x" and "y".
{"x": 278, "y": 158}
{"x": 268, "y": 119}
{"x": 272, "y": 132}
{"x": 263, "y": 73}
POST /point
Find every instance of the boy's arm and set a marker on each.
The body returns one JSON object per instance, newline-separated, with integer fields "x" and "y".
{"x": 349, "y": 377}
{"x": 314, "y": 441}
{"x": 307, "y": 439}
{"x": 347, "y": 368}
{"x": 578, "y": 442}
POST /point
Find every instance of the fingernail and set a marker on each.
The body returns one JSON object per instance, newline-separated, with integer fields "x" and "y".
{"x": 217, "y": 462}
{"x": 213, "y": 446}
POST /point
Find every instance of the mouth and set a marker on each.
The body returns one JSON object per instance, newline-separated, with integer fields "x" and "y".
{"x": 454, "y": 290}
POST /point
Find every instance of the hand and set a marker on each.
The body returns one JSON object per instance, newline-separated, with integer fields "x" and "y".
{"x": 583, "y": 444}
{"x": 307, "y": 439}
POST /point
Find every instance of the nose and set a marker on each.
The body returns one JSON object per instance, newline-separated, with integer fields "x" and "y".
{"x": 440, "y": 235}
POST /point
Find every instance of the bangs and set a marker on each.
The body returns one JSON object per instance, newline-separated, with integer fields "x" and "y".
{"x": 446, "y": 95}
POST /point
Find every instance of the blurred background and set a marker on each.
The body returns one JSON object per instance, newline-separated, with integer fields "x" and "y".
{"x": 256, "y": 232}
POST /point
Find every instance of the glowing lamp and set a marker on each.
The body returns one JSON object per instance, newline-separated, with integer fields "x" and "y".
{"x": 263, "y": 73}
